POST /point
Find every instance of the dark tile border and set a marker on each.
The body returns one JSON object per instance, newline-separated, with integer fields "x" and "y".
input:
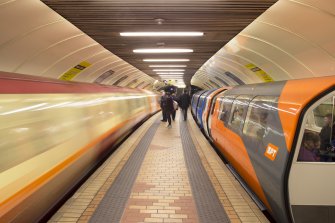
{"x": 208, "y": 204}
{"x": 114, "y": 202}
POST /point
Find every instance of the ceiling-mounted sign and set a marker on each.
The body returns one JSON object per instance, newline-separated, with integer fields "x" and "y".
{"x": 104, "y": 76}
{"x": 74, "y": 71}
{"x": 259, "y": 72}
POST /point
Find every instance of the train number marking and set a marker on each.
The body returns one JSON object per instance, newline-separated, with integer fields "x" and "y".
{"x": 271, "y": 152}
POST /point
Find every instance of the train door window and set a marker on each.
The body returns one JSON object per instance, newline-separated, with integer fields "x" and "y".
{"x": 318, "y": 138}
{"x": 259, "y": 119}
{"x": 311, "y": 176}
{"x": 212, "y": 105}
{"x": 238, "y": 112}
{"x": 225, "y": 108}
{"x": 219, "y": 109}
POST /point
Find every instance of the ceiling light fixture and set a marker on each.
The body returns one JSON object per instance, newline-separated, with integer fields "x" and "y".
{"x": 167, "y": 66}
{"x": 163, "y": 50}
{"x": 171, "y": 77}
{"x": 167, "y": 73}
{"x": 168, "y": 70}
{"x": 159, "y": 21}
{"x": 166, "y": 34}
{"x": 166, "y": 60}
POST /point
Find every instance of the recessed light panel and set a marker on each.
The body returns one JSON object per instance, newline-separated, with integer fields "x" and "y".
{"x": 163, "y": 50}
{"x": 167, "y": 65}
{"x": 167, "y": 73}
{"x": 166, "y": 60}
{"x": 166, "y": 34}
{"x": 168, "y": 70}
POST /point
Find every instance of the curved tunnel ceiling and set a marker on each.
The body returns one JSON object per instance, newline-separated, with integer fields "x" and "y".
{"x": 220, "y": 20}
{"x": 292, "y": 39}
{"x": 35, "y": 40}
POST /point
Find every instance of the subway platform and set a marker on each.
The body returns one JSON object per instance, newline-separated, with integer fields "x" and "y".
{"x": 162, "y": 174}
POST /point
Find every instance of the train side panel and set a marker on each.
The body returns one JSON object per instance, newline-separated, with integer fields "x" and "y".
{"x": 246, "y": 145}
{"x": 54, "y": 140}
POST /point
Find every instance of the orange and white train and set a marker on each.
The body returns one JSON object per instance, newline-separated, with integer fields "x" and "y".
{"x": 260, "y": 130}
{"x": 53, "y": 133}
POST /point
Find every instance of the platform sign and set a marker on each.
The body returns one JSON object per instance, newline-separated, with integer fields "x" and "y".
{"x": 259, "y": 72}
{"x": 73, "y": 72}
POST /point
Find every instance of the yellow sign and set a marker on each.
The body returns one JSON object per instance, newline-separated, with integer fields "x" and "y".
{"x": 259, "y": 72}
{"x": 73, "y": 72}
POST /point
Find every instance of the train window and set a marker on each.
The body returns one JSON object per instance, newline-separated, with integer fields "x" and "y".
{"x": 259, "y": 117}
{"x": 219, "y": 101}
{"x": 225, "y": 108}
{"x": 214, "y": 101}
{"x": 213, "y": 105}
{"x": 318, "y": 140}
{"x": 239, "y": 109}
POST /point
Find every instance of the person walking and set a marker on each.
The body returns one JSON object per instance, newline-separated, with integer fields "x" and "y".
{"x": 184, "y": 103}
{"x": 169, "y": 107}
{"x": 163, "y": 105}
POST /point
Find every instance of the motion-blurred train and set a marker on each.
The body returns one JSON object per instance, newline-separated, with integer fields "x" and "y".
{"x": 53, "y": 133}
{"x": 264, "y": 132}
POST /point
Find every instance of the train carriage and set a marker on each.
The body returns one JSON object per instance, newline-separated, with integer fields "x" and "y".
{"x": 55, "y": 133}
{"x": 265, "y": 132}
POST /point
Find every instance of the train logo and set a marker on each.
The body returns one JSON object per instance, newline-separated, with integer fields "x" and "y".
{"x": 271, "y": 152}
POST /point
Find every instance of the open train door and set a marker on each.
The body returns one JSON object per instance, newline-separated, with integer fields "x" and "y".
{"x": 311, "y": 182}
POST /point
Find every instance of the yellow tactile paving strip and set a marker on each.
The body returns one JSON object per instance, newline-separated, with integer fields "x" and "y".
{"x": 237, "y": 203}
{"x": 81, "y": 206}
{"x": 162, "y": 191}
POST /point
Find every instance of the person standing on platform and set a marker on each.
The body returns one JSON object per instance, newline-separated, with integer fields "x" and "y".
{"x": 169, "y": 107}
{"x": 184, "y": 103}
{"x": 163, "y": 105}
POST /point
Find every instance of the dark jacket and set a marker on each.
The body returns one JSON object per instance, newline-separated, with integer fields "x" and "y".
{"x": 184, "y": 101}
{"x": 169, "y": 104}
{"x": 163, "y": 102}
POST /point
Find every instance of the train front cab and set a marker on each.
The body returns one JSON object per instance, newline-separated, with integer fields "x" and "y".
{"x": 194, "y": 102}
{"x": 208, "y": 110}
{"x": 201, "y": 107}
{"x": 311, "y": 180}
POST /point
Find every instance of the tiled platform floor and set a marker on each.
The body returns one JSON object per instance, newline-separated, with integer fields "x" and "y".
{"x": 162, "y": 192}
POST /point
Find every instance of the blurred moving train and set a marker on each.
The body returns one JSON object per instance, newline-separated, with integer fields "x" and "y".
{"x": 270, "y": 134}
{"x": 53, "y": 133}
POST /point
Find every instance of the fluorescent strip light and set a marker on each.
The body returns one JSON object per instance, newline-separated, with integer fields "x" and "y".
{"x": 153, "y": 34}
{"x": 163, "y": 50}
{"x": 172, "y": 76}
{"x": 170, "y": 73}
{"x": 167, "y": 66}
{"x": 166, "y": 60}
{"x": 168, "y": 70}
{"x": 181, "y": 78}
